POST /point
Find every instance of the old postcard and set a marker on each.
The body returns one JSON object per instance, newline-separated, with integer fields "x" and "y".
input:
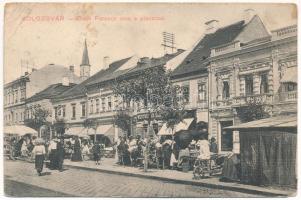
{"x": 150, "y": 100}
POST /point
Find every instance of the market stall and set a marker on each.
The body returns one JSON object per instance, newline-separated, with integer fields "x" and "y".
{"x": 268, "y": 151}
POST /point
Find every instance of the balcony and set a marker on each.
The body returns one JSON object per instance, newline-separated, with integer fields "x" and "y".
{"x": 257, "y": 99}
{"x": 243, "y": 100}
{"x": 287, "y": 96}
{"x": 284, "y": 32}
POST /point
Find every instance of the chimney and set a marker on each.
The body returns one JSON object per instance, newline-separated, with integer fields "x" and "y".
{"x": 145, "y": 61}
{"x": 106, "y": 62}
{"x": 211, "y": 26}
{"x": 71, "y": 68}
{"x": 65, "y": 81}
{"x": 248, "y": 15}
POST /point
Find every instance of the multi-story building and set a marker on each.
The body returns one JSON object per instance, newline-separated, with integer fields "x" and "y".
{"x": 252, "y": 66}
{"x": 233, "y": 65}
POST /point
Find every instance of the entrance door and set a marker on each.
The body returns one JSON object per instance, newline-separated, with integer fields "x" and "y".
{"x": 226, "y": 136}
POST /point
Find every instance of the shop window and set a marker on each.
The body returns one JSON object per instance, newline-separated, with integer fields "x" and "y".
{"x": 226, "y": 90}
{"x": 264, "y": 85}
{"x": 202, "y": 91}
{"x": 249, "y": 85}
{"x": 226, "y": 136}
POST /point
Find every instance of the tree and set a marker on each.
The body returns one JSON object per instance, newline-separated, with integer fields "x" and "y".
{"x": 123, "y": 121}
{"x": 90, "y": 123}
{"x": 154, "y": 88}
{"x": 38, "y": 118}
{"x": 253, "y": 111}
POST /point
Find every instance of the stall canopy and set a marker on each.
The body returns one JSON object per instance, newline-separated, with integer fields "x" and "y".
{"x": 290, "y": 75}
{"x": 77, "y": 131}
{"x": 184, "y": 125}
{"x": 19, "y": 130}
{"x": 107, "y": 130}
{"x": 268, "y": 151}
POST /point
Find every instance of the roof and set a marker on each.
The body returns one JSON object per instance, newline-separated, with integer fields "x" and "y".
{"x": 50, "y": 92}
{"x": 80, "y": 89}
{"x": 85, "y": 59}
{"x": 281, "y": 121}
{"x": 137, "y": 68}
{"x": 195, "y": 61}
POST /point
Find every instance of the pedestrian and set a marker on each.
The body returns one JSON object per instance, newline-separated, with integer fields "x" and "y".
{"x": 52, "y": 149}
{"x": 96, "y": 153}
{"x": 213, "y": 145}
{"x": 39, "y": 153}
{"x": 24, "y": 149}
{"x": 60, "y": 154}
{"x": 85, "y": 150}
{"x": 77, "y": 154}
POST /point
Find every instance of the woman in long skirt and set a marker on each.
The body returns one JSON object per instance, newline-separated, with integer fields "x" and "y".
{"x": 39, "y": 152}
{"x": 77, "y": 154}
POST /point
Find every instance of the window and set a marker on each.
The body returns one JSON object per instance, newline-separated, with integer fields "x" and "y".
{"x": 59, "y": 113}
{"x": 97, "y": 105}
{"x": 91, "y": 106}
{"x": 83, "y": 109}
{"x": 16, "y": 117}
{"x": 73, "y": 111}
{"x": 226, "y": 90}
{"x": 16, "y": 96}
{"x": 202, "y": 91}
{"x": 22, "y": 94}
{"x": 64, "y": 111}
{"x": 264, "y": 85}
{"x": 109, "y": 103}
{"x": 103, "y": 104}
{"x": 55, "y": 112}
{"x": 185, "y": 93}
{"x": 226, "y": 136}
{"x": 13, "y": 97}
{"x": 249, "y": 84}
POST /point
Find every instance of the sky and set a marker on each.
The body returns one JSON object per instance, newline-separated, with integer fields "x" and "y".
{"x": 115, "y": 30}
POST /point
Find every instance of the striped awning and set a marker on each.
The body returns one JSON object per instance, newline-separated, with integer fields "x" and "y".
{"x": 184, "y": 125}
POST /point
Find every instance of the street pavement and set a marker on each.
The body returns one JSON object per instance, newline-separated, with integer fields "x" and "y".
{"x": 21, "y": 176}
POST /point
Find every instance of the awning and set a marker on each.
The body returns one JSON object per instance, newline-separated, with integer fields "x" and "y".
{"x": 290, "y": 75}
{"x": 107, "y": 130}
{"x": 19, "y": 130}
{"x": 286, "y": 121}
{"x": 181, "y": 126}
{"x": 76, "y": 131}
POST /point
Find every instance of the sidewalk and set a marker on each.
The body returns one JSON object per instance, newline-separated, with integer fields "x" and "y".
{"x": 109, "y": 166}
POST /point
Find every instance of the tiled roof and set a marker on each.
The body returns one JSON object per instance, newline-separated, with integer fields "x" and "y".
{"x": 195, "y": 60}
{"x": 80, "y": 89}
{"x": 50, "y": 92}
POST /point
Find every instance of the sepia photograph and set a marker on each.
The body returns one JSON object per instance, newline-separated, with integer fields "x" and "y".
{"x": 150, "y": 100}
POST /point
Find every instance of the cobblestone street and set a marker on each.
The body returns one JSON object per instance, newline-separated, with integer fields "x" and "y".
{"x": 76, "y": 182}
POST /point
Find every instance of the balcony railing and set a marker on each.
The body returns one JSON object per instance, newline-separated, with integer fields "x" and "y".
{"x": 284, "y": 32}
{"x": 243, "y": 100}
{"x": 288, "y": 96}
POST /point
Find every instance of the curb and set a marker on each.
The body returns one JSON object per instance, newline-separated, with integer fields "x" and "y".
{"x": 188, "y": 182}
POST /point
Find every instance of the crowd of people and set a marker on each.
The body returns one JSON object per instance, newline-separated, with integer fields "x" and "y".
{"x": 162, "y": 151}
